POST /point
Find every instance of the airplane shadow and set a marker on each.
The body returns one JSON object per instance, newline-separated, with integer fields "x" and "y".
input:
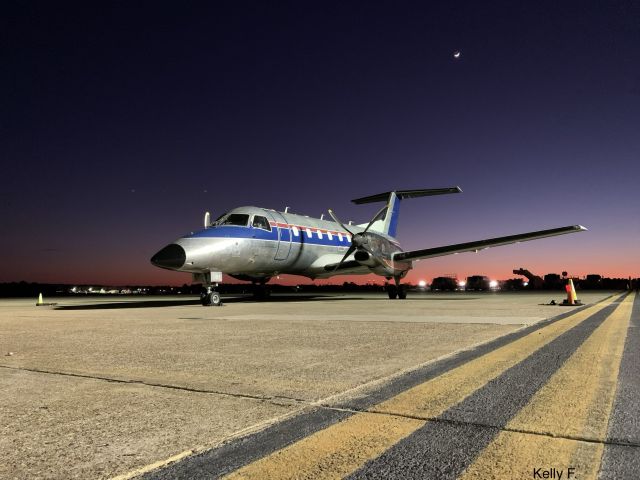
{"x": 276, "y": 298}
{"x": 140, "y": 304}
{"x": 195, "y": 301}
{"x": 439, "y": 299}
{"x": 283, "y": 298}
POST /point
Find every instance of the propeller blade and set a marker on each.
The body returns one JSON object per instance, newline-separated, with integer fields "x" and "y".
{"x": 375, "y": 218}
{"x": 337, "y": 220}
{"x": 357, "y": 239}
{"x": 350, "y": 250}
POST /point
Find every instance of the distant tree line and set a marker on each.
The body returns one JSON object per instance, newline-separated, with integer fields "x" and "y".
{"x": 27, "y": 289}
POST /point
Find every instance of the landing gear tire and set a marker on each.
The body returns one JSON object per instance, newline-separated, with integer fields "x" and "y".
{"x": 402, "y": 292}
{"x": 214, "y": 299}
{"x": 396, "y": 290}
{"x": 261, "y": 292}
{"x": 210, "y": 299}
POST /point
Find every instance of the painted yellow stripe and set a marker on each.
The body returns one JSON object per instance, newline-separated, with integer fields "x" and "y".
{"x": 574, "y": 404}
{"x": 334, "y": 452}
{"x": 342, "y": 448}
{"x": 430, "y": 399}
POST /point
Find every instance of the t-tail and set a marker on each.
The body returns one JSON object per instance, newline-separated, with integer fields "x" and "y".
{"x": 389, "y": 223}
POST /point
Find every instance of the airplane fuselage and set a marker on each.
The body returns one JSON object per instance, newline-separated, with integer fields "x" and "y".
{"x": 251, "y": 248}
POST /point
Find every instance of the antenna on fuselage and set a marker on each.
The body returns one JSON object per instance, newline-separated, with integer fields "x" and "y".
{"x": 207, "y": 219}
{"x": 322, "y": 216}
{"x": 286, "y": 209}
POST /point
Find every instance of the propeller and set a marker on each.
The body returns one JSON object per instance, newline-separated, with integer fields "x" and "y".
{"x": 358, "y": 240}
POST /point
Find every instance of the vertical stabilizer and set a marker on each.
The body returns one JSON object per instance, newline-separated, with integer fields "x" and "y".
{"x": 391, "y": 217}
{"x": 389, "y": 224}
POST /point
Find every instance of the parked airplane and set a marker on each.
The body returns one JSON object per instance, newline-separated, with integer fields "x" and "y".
{"x": 255, "y": 244}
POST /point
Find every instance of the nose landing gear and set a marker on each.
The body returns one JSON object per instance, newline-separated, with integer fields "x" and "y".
{"x": 210, "y": 298}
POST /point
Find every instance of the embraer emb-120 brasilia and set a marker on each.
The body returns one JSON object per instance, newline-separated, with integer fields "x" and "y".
{"x": 255, "y": 244}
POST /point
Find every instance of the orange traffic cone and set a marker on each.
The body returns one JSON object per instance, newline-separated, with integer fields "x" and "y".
{"x": 40, "y": 302}
{"x": 572, "y": 298}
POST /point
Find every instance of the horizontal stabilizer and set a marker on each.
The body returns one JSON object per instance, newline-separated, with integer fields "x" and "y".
{"x": 482, "y": 244}
{"x": 383, "y": 197}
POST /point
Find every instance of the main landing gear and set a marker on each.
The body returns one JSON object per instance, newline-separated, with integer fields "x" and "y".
{"x": 261, "y": 291}
{"x": 396, "y": 290}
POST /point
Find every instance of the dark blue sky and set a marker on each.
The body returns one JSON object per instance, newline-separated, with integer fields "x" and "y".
{"x": 122, "y": 124}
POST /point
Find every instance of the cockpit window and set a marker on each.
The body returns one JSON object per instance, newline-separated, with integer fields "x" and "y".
{"x": 239, "y": 219}
{"x": 261, "y": 222}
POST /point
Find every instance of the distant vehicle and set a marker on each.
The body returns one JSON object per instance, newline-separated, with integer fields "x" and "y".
{"x": 534, "y": 281}
{"x": 477, "y": 282}
{"x": 444, "y": 284}
{"x": 553, "y": 281}
{"x": 256, "y": 244}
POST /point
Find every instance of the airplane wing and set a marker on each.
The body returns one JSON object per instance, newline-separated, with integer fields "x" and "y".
{"x": 482, "y": 244}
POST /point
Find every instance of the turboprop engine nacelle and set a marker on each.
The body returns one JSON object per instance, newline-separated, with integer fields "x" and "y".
{"x": 365, "y": 258}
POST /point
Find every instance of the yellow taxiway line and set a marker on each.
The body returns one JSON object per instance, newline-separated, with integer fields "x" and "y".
{"x": 565, "y": 423}
{"x": 344, "y": 447}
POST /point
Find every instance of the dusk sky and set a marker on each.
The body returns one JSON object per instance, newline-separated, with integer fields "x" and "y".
{"x": 123, "y": 122}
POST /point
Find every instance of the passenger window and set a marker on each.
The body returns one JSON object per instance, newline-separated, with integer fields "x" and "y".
{"x": 261, "y": 222}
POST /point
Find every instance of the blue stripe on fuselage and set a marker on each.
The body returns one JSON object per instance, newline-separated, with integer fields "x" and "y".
{"x": 229, "y": 231}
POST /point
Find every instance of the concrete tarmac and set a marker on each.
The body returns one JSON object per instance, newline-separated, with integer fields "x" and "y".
{"x": 100, "y": 387}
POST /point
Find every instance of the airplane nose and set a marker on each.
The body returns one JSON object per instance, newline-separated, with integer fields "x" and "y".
{"x": 172, "y": 256}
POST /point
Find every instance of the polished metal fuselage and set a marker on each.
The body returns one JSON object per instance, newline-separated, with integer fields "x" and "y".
{"x": 296, "y": 245}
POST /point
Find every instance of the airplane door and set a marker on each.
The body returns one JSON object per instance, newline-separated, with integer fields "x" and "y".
{"x": 284, "y": 237}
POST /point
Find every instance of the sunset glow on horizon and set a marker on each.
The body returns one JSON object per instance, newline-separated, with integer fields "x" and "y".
{"x": 124, "y": 124}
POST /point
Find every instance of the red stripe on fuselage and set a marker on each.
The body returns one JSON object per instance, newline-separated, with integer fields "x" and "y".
{"x": 313, "y": 229}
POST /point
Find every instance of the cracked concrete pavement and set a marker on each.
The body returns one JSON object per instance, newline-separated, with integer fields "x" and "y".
{"x": 101, "y": 391}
